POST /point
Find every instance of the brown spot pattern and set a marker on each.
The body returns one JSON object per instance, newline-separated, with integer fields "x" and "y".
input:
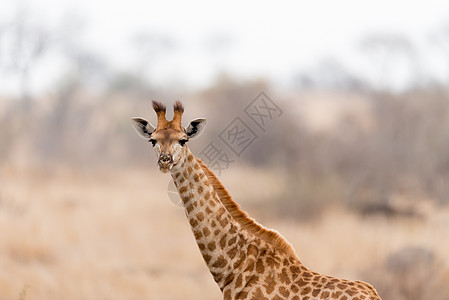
{"x": 232, "y": 253}
{"x": 259, "y": 266}
{"x": 258, "y": 295}
{"x": 270, "y": 284}
{"x": 211, "y": 246}
{"x": 220, "y": 262}
{"x": 200, "y": 216}
{"x": 284, "y": 292}
{"x": 206, "y": 231}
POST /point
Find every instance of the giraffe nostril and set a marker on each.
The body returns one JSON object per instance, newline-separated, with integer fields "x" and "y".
{"x": 165, "y": 158}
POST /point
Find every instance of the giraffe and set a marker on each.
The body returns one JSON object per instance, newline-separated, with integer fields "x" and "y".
{"x": 246, "y": 260}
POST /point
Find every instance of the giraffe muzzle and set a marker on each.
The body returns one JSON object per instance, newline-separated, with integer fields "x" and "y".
{"x": 165, "y": 162}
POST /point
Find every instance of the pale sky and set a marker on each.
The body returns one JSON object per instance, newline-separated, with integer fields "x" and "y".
{"x": 261, "y": 38}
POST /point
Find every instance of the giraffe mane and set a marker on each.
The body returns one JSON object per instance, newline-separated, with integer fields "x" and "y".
{"x": 268, "y": 235}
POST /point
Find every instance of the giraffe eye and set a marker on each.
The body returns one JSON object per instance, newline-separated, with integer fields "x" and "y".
{"x": 152, "y": 141}
{"x": 182, "y": 142}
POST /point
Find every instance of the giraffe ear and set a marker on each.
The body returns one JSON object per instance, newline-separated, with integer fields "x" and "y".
{"x": 142, "y": 127}
{"x": 195, "y": 128}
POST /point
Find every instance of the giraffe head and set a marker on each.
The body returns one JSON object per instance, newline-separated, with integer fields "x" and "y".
{"x": 169, "y": 138}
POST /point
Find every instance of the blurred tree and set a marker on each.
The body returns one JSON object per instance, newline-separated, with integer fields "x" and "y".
{"x": 23, "y": 43}
{"x": 150, "y": 49}
{"x": 330, "y": 74}
{"x": 440, "y": 39}
{"x": 218, "y": 46}
{"x": 91, "y": 68}
{"x": 388, "y": 53}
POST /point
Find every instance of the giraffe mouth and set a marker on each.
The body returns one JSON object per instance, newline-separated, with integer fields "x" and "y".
{"x": 165, "y": 167}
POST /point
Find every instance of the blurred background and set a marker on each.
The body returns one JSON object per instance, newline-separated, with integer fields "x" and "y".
{"x": 354, "y": 164}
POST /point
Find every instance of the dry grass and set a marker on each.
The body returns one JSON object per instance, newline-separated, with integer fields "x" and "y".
{"x": 115, "y": 235}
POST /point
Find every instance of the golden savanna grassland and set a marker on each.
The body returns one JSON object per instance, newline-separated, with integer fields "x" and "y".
{"x": 114, "y": 234}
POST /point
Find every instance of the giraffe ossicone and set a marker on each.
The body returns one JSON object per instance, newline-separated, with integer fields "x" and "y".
{"x": 246, "y": 260}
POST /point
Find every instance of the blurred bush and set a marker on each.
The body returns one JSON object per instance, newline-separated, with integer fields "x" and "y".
{"x": 403, "y": 152}
{"x": 411, "y": 273}
{"x": 383, "y": 160}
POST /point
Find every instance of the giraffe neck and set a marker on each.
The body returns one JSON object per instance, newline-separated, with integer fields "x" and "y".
{"x": 219, "y": 237}
{"x": 246, "y": 261}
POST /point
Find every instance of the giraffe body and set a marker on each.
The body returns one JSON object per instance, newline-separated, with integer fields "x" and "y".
{"x": 246, "y": 260}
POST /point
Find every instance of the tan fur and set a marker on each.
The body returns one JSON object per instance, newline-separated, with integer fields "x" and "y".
{"x": 270, "y": 236}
